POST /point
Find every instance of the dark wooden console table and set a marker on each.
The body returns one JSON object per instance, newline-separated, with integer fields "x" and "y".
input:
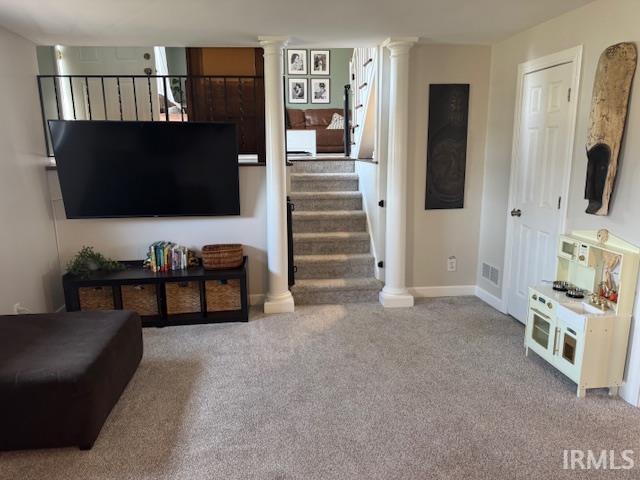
{"x": 183, "y": 297}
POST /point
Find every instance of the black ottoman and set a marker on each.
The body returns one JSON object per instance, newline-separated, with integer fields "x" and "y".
{"x": 61, "y": 374}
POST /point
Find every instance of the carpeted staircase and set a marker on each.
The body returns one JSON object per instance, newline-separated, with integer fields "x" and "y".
{"x": 330, "y": 241}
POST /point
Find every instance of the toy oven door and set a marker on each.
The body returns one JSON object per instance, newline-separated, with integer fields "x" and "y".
{"x": 542, "y": 334}
{"x": 568, "y": 358}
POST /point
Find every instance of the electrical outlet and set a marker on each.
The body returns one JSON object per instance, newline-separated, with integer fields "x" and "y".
{"x": 452, "y": 264}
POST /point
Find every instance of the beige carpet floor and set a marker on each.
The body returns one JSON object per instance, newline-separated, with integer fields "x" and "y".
{"x": 439, "y": 391}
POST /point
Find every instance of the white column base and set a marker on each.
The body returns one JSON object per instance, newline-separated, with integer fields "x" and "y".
{"x": 396, "y": 299}
{"x": 280, "y": 304}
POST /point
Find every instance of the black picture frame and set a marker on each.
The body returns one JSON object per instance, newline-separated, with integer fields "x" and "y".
{"x": 293, "y": 55}
{"x": 326, "y": 98}
{"x": 298, "y": 90}
{"x": 320, "y": 62}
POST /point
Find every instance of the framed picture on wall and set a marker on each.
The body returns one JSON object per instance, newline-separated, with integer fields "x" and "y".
{"x": 320, "y": 90}
{"x": 319, "y": 62}
{"x": 297, "y": 62}
{"x": 298, "y": 90}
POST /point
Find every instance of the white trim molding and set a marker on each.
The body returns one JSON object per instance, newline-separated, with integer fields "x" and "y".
{"x": 493, "y": 301}
{"x": 570, "y": 55}
{"x": 443, "y": 291}
{"x": 256, "y": 299}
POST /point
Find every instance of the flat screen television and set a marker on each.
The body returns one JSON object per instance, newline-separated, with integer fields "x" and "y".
{"x": 146, "y": 169}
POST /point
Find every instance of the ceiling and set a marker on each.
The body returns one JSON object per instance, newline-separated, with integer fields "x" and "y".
{"x": 329, "y": 23}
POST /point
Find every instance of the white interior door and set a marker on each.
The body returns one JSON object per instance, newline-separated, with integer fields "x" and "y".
{"x": 110, "y": 98}
{"x": 542, "y": 156}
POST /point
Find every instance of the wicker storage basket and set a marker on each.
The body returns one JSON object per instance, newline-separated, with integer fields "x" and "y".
{"x": 96, "y": 298}
{"x": 217, "y": 257}
{"x": 222, "y": 295}
{"x": 142, "y": 299}
{"x": 182, "y": 297}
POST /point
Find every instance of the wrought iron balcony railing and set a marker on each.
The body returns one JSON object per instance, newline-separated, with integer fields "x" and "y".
{"x": 236, "y": 99}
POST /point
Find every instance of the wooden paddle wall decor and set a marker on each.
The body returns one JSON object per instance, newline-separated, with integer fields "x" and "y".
{"x": 609, "y": 104}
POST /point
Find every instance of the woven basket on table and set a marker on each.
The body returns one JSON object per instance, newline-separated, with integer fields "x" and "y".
{"x": 217, "y": 257}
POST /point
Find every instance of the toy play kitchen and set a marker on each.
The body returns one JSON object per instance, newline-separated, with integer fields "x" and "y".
{"x": 580, "y": 322}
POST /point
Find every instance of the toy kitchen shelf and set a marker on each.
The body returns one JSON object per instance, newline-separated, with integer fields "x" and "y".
{"x": 586, "y": 338}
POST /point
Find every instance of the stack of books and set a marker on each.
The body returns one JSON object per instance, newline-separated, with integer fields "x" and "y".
{"x": 166, "y": 257}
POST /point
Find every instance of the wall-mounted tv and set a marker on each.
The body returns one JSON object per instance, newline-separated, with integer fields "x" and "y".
{"x": 146, "y": 169}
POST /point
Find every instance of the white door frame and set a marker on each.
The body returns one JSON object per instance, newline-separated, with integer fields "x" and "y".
{"x": 571, "y": 55}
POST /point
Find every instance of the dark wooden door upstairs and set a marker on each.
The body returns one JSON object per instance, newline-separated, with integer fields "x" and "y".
{"x": 227, "y": 85}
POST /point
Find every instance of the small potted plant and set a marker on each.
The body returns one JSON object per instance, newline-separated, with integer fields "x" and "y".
{"x": 87, "y": 260}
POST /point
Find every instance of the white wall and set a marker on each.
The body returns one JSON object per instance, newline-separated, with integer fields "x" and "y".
{"x": 28, "y": 255}
{"x": 128, "y": 239}
{"x": 434, "y": 235}
{"x": 595, "y": 26}
{"x": 368, "y": 179}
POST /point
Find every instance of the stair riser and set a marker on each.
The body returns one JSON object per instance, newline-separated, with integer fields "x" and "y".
{"x": 323, "y": 167}
{"x": 331, "y": 248}
{"x": 336, "y": 297}
{"x": 335, "y": 270}
{"x": 318, "y": 185}
{"x": 311, "y": 205}
{"x": 357, "y": 224}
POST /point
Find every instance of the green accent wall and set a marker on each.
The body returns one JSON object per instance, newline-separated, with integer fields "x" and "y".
{"x": 46, "y": 60}
{"x": 339, "y": 75}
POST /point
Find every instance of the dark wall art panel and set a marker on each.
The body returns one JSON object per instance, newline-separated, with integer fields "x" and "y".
{"x": 447, "y": 145}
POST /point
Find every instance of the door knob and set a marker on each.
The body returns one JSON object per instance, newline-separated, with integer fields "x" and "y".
{"x": 516, "y": 212}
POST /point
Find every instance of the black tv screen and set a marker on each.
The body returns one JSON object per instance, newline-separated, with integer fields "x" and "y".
{"x": 146, "y": 169}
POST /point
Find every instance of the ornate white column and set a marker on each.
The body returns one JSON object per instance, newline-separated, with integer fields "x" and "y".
{"x": 395, "y": 293}
{"x": 279, "y": 299}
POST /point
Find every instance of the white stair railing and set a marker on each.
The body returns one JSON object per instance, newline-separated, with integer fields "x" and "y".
{"x": 363, "y": 69}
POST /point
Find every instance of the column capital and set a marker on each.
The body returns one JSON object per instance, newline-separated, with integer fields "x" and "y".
{"x": 399, "y": 45}
{"x": 269, "y": 42}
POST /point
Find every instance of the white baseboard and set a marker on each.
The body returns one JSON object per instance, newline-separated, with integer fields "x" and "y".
{"x": 490, "y": 299}
{"x": 256, "y": 299}
{"x": 444, "y": 291}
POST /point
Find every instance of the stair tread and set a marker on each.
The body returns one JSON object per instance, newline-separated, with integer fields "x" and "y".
{"x": 334, "y": 257}
{"x": 331, "y": 195}
{"x": 328, "y": 214}
{"x": 364, "y": 283}
{"x": 324, "y": 176}
{"x": 322, "y": 159}
{"x": 330, "y": 236}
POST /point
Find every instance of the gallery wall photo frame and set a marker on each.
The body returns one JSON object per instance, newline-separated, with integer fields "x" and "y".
{"x": 298, "y": 90}
{"x": 320, "y": 60}
{"x": 297, "y": 62}
{"x": 320, "y": 90}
